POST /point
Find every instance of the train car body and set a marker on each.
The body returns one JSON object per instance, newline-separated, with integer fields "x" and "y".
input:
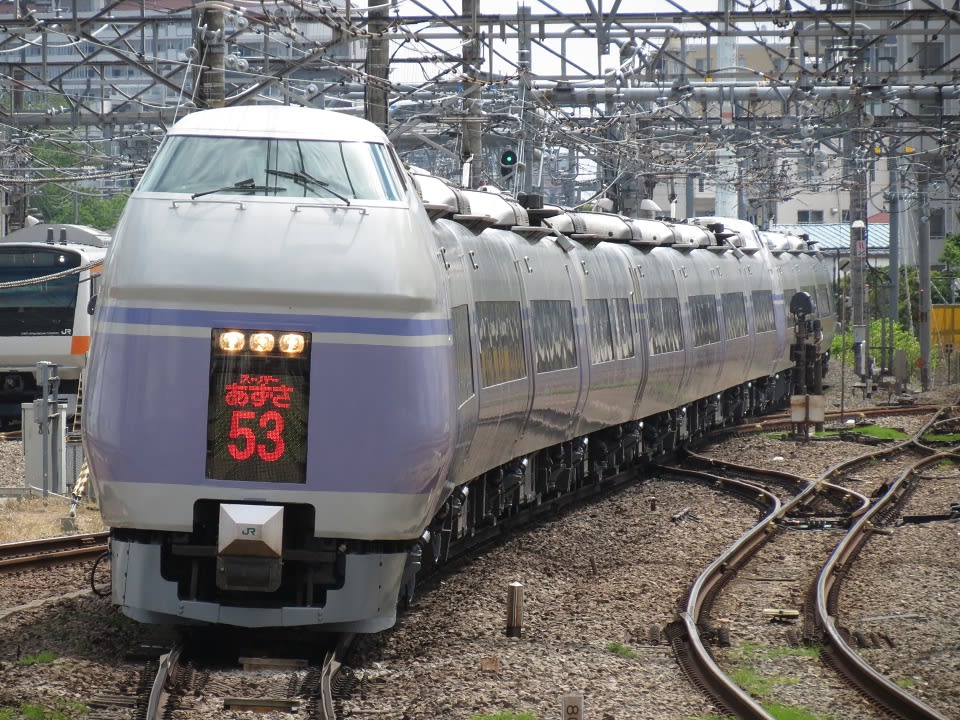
{"x": 314, "y": 369}
{"x": 44, "y": 318}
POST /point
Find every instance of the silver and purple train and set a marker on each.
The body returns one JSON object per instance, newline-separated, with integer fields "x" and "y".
{"x": 312, "y": 365}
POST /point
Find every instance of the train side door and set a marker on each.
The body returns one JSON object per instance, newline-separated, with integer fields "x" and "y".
{"x": 458, "y": 264}
{"x": 641, "y": 337}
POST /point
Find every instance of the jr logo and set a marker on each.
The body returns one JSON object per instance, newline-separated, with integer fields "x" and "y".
{"x": 249, "y": 531}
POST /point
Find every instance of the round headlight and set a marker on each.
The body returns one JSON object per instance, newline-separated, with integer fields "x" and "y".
{"x": 231, "y": 341}
{"x": 292, "y": 343}
{"x": 261, "y": 342}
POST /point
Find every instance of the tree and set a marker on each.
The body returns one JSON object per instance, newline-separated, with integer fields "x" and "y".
{"x": 62, "y": 199}
{"x": 903, "y": 339}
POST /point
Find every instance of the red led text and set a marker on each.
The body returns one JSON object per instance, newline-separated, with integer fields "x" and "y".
{"x": 265, "y": 395}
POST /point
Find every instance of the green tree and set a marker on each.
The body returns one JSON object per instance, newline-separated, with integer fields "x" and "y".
{"x": 951, "y": 253}
{"x": 903, "y": 339}
{"x": 62, "y": 200}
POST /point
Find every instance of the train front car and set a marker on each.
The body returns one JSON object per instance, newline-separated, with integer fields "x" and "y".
{"x": 269, "y": 397}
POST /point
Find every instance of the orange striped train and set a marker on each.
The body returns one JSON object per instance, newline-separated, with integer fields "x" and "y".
{"x": 48, "y": 274}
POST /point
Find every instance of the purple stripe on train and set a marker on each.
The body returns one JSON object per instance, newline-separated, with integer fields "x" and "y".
{"x": 308, "y": 323}
{"x": 379, "y": 417}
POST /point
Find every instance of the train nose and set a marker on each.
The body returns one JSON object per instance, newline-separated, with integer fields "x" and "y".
{"x": 249, "y": 547}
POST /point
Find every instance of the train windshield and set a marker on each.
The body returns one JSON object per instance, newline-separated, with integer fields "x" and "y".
{"x": 338, "y": 171}
{"x": 37, "y": 306}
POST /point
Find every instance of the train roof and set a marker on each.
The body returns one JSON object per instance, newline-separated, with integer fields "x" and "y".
{"x": 288, "y": 121}
{"x": 59, "y": 234}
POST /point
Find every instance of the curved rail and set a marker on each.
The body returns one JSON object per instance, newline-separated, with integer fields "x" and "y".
{"x": 862, "y": 675}
{"x": 168, "y": 663}
{"x": 854, "y": 667}
{"x": 19, "y": 555}
{"x": 331, "y": 667}
{"x": 684, "y": 634}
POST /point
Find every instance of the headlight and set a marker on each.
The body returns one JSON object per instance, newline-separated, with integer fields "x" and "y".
{"x": 291, "y": 343}
{"x": 261, "y": 342}
{"x": 231, "y": 341}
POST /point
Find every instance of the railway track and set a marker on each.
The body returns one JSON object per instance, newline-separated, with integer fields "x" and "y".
{"x": 782, "y": 421}
{"x": 851, "y": 510}
{"x": 195, "y": 678}
{"x": 48, "y": 551}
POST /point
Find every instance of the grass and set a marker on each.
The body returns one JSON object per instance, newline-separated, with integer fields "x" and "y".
{"x": 951, "y": 438}
{"x": 622, "y": 650}
{"x": 31, "y": 518}
{"x": 782, "y": 712}
{"x": 42, "y": 658}
{"x": 64, "y": 710}
{"x": 874, "y": 431}
{"x": 906, "y": 683}
{"x": 760, "y": 686}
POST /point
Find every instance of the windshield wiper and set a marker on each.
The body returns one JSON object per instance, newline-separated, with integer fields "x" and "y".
{"x": 306, "y": 180}
{"x": 244, "y": 186}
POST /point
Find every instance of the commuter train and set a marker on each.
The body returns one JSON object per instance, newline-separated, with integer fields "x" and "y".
{"x": 48, "y": 273}
{"x": 314, "y": 369}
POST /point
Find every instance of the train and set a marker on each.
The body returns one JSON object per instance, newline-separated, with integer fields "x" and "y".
{"x": 48, "y": 274}
{"x": 316, "y": 369}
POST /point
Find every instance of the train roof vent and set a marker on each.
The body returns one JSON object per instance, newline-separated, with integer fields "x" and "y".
{"x": 592, "y": 227}
{"x": 688, "y": 237}
{"x": 651, "y": 232}
{"x": 500, "y": 209}
{"x": 440, "y": 198}
{"x": 781, "y": 242}
{"x": 732, "y": 232}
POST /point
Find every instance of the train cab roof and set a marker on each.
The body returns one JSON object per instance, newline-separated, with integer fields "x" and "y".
{"x": 59, "y": 234}
{"x": 282, "y": 121}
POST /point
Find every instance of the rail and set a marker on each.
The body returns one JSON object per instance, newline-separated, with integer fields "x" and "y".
{"x": 20, "y": 555}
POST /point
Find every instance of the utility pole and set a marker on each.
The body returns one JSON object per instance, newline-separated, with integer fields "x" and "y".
{"x": 893, "y": 170}
{"x": 472, "y": 149}
{"x": 211, "y": 46}
{"x": 378, "y": 69}
{"x": 525, "y": 54}
{"x": 923, "y": 259}
{"x": 727, "y": 196}
{"x": 857, "y": 174}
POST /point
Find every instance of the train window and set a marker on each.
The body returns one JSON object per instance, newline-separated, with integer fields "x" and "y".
{"x": 501, "y": 342}
{"x": 734, "y": 315}
{"x": 398, "y": 166}
{"x": 763, "y": 310}
{"x": 621, "y": 320}
{"x": 706, "y": 324}
{"x": 823, "y": 301}
{"x": 274, "y": 168}
{"x": 38, "y": 308}
{"x": 553, "y": 335}
{"x": 601, "y": 333}
{"x": 666, "y": 335}
{"x": 811, "y": 290}
{"x": 464, "y": 354}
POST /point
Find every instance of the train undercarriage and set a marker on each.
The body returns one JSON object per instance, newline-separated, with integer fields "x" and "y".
{"x": 527, "y": 487}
